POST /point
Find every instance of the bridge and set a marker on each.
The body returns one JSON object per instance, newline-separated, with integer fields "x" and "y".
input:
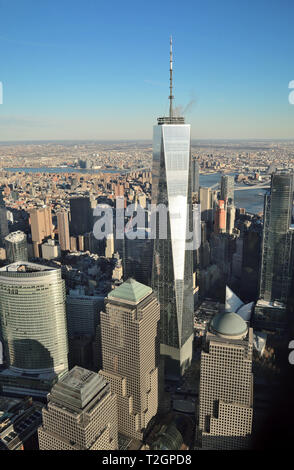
{"x": 264, "y": 185}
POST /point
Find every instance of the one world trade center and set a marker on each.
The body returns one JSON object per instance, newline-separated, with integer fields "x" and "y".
{"x": 172, "y": 270}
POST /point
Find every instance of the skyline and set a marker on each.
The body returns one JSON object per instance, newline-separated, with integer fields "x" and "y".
{"x": 101, "y": 72}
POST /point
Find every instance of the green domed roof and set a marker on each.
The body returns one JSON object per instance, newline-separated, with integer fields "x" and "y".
{"x": 229, "y": 324}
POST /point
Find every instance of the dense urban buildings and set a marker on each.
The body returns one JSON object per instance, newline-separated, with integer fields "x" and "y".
{"x": 226, "y": 385}
{"x": 138, "y": 341}
{"x": 130, "y": 354}
{"x": 19, "y": 421}
{"x": 81, "y": 414}
{"x": 33, "y": 326}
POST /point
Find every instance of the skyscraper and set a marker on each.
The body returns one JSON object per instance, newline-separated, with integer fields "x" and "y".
{"x": 195, "y": 175}
{"x": 63, "y": 230}
{"x": 81, "y": 216}
{"x": 172, "y": 272}
{"x": 220, "y": 217}
{"x": 41, "y": 226}
{"x": 227, "y": 189}
{"x": 33, "y": 323}
{"x": 130, "y": 350}
{"x": 276, "y": 256}
{"x": 207, "y": 201}
{"x": 81, "y": 414}
{"x": 226, "y": 385}
{"x": 4, "y": 231}
{"x": 16, "y": 247}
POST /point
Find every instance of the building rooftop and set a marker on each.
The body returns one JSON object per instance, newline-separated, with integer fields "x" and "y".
{"x": 130, "y": 291}
{"x": 77, "y": 388}
{"x": 16, "y": 236}
{"x": 229, "y": 324}
{"x": 25, "y": 266}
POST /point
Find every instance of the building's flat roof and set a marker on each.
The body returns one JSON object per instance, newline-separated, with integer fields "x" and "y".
{"x": 16, "y": 236}
{"x": 271, "y": 304}
{"x": 26, "y": 266}
{"x": 77, "y": 388}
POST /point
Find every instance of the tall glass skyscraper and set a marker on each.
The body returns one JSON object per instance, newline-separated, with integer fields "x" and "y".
{"x": 227, "y": 189}
{"x": 276, "y": 258}
{"x": 172, "y": 270}
{"x": 34, "y": 331}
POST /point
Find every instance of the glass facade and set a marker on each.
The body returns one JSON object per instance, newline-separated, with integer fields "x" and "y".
{"x": 16, "y": 247}
{"x": 227, "y": 188}
{"x": 275, "y": 275}
{"x": 172, "y": 261}
{"x": 33, "y": 319}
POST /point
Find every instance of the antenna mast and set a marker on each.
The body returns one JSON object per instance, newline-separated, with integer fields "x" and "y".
{"x": 171, "y": 79}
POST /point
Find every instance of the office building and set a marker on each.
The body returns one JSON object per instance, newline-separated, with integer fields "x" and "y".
{"x": 19, "y": 421}
{"x": 220, "y": 218}
{"x": 81, "y": 414}
{"x": 41, "y": 227}
{"x": 16, "y": 247}
{"x": 195, "y": 176}
{"x": 138, "y": 257}
{"x": 83, "y": 312}
{"x": 227, "y": 189}
{"x": 231, "y": 215}
{"x": 130, "y": 352}
{"x": 63, "y": 230}
{"x": 50, "y": 250}
{"x": 276, "y": 253}
{"x": 81, "y": 216}
{"x": 172, "y": 272}
{"x": 73, "y": 244}
{"x": 226, "y": 385}
{"x": 109, "y": 248}
{"x": 33, "y": 324}
{"x": 208, "y": 198}
{"x": 4, "y": 231}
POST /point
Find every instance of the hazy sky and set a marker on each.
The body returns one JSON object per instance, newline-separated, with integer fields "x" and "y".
{"x": 93, "y": 69}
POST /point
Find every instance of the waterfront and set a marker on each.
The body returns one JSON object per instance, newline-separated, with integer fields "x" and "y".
{"x": 251, "y": 199}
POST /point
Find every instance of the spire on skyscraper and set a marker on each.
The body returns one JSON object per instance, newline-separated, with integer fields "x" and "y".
{"x": 171, "y": 79}
{"x": 171, "y": 119}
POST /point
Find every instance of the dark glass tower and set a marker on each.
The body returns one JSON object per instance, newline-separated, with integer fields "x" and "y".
{"x": 172, "y": 270}
{"x": 227, "y": 189}
{"x": 277, "y": 237}
{"x": 81, "y": 216}
{"x": 276, "y": 258}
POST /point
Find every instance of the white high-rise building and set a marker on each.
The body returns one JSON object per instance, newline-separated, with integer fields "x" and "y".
{"x": 226, "y": 385}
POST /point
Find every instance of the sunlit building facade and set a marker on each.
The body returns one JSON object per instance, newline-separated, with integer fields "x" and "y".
{"x": 34, "y": 331}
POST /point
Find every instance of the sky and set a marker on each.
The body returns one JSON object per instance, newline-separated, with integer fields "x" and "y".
{"x": 100, "y": 70}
